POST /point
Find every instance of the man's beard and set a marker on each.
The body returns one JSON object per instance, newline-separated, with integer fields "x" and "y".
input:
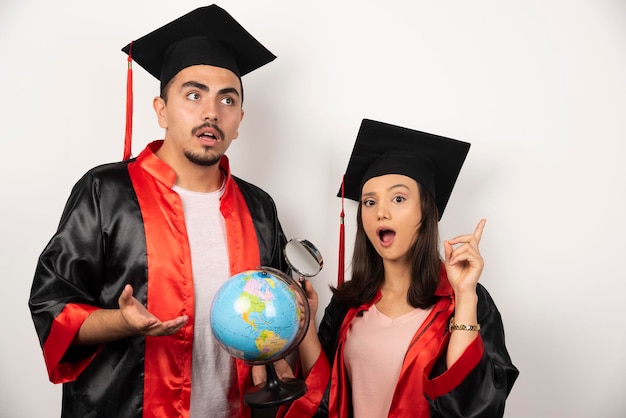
{"x": 204, "y": 159}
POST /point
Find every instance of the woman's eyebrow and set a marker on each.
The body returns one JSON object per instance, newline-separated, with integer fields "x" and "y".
{"x": 399, "y": 185}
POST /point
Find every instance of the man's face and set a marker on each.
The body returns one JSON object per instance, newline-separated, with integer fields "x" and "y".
{"x": 202, "y": 114}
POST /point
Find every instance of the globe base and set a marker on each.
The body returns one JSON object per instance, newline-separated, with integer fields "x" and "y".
{"x": 274, "y": 391}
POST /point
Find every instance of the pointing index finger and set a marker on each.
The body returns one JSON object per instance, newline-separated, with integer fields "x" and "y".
{"x": 478, "y": 233}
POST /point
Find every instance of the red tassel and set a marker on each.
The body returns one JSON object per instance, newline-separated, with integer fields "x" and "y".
{"x": 128, "y": 139}
{"x": 342, "y": 245}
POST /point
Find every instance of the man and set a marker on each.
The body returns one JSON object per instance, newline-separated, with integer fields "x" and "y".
{"x": 122, "y": 292}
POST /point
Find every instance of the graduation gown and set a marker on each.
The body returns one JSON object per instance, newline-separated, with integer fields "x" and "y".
{"x": 476, "y": 385}
{"x": 122, "y": 224}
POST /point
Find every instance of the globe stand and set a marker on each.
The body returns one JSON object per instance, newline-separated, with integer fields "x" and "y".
{"x": 274, "y": 391}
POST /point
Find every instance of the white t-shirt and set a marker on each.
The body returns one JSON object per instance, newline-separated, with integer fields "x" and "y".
{"x": 214, "y": 390}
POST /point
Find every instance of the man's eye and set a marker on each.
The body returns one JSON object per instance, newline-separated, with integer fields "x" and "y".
{"x": 193, "y": 96}
{"x": 228, "y": 101}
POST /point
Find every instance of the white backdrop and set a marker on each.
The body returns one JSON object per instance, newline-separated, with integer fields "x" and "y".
{"x": 537, "y": 86}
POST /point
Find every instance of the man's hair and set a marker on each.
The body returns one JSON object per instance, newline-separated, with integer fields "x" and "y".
{"x": 367, "y": 266}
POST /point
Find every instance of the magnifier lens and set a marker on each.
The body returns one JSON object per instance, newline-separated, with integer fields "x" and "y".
{"x": 303, "y": 257}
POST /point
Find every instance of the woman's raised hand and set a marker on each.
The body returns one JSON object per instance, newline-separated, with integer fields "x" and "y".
{"x": 463, "y": 261}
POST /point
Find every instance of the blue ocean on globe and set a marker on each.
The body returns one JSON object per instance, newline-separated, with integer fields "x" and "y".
{"x": 255, "y": 316}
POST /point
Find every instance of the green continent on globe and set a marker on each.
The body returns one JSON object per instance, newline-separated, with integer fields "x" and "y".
{"x": 254, "y": 305}
{"x": 257, "y": 294}
{"x": 269, "y": 343}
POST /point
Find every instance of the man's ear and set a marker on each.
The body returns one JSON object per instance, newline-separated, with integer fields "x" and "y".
{"x": 240, "y": 119}
{"x": 159, "y": 108}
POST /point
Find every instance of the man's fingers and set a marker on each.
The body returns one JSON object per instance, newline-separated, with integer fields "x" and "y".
{"x": 156, "y": 328}
{"x": 174, "y": 325}
{"x": 126, "y": 295}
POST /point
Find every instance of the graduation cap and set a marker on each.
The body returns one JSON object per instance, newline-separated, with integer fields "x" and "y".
{"x": 207, "y": 35}
{"x": 380, "y": 148}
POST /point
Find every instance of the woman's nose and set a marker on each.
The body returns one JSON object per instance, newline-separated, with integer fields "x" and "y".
{"x": 383, "y": 213}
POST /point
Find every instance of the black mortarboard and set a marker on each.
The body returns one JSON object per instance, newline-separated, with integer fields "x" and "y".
{"x": 207, "y": 35}
{"x": 380, "y": 148}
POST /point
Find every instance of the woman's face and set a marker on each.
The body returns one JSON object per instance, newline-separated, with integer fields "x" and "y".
{"x": 391, "y": 213}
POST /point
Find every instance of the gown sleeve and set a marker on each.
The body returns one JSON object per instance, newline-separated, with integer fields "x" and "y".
{"x": 98, "y": 247}
{"x": 483, "y": 390}
{"x": 59, "y": 303}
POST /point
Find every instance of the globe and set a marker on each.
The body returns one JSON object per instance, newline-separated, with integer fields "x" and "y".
{"x": 260, "y": 316}
{"x": 256, "y": 315}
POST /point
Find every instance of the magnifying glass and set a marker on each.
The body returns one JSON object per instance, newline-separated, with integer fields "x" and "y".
{"x": 303, "y": 258}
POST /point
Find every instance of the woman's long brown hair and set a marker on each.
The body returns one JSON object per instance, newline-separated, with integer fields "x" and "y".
{"x": 367, "y": 266}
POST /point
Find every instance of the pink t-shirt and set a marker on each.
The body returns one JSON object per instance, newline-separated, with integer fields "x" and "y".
{"x": 374, "y": 351}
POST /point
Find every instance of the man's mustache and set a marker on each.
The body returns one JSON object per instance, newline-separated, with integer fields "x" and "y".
{"x": 208, "y": 125}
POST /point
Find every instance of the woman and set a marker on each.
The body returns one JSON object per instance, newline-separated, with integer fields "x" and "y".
{"x": 410, "y": 335}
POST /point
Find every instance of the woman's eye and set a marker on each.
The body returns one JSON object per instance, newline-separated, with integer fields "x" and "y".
{"x": 368, "y": 203}
{"x": 399, "y": 199}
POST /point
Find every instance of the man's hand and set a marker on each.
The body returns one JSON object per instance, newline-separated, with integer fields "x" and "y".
{"x": 132, "y": 318}
{"x": 140, "y": 321}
